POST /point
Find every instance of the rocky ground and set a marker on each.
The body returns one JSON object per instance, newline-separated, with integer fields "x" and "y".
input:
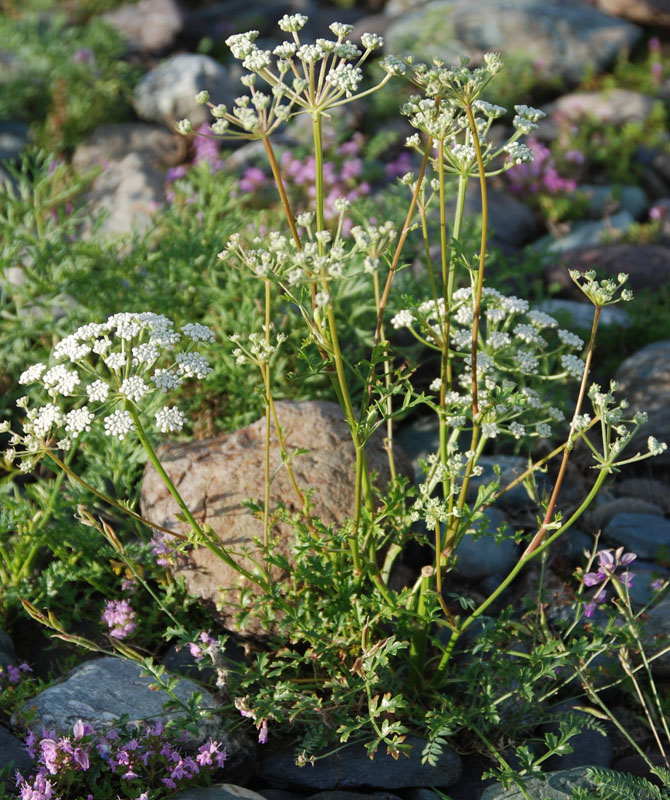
{"x": 634, "y": 512}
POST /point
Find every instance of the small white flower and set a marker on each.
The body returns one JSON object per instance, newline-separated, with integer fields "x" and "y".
{"x": 528, "y": 112}
{"x": 193, "y": 365}
{"x": 322, "y": 299}
{"x": 170, "y": 420}
{"x": 97, "y": 391}
{"x": 291, "y": 23}
{"x": 403, "y": 319}
{"x": 490, "y": 430}
{"x": 166, "y": 379}
{"x": 78, "y": 420}
{"x": 59, "y": 380}
{"x": 556, "y": 414}
{"x": 202, "y": 97}
{"x": 519, "y": 153}
{"x": 45, "y": 418}
{"x": 542, "y": 320}
{"x": 115, "y": 360}
{"x": 197, "y": 332}
{"x": 581, "y": 422}
{"x": 571, "y": 339}
{"x": 134, "y": 388}
{"x": 371, "y": 41}
{"x": 517, "y": 430}
{"x": 118, "y": 424}
{"x": 436, "y": 385}
{"x": 656, "y": 447}
{"x": 573, "y": 365}
{"x": 101, "y": 346}
{"x": 184, "y": 126}
{"x": 498, "y": 339}
{"x": 71, "y": 348}
{"x": 145, "y": 353}
{"x": 32, "y": 374}
{"x": 543, "y": 429}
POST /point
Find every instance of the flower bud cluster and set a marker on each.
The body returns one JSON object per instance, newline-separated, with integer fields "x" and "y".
{"x": 605, "y": 292}
{"x": 302, "y": 77}
{"x": 104, "y": 370}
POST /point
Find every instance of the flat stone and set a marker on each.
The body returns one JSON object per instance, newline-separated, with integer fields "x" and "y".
{"x": 99, "y": 691}
{"x": 604, "y": 200}
{"x": 552, "y": 786}
{"x": 646, "y": 12}
{"x": 653, "y": 491}
{"x": 511, "y": 468}
{"x": 148, "y": 25}
{"x": 218, "y": 791}
{"x": 126, "y": 195}
{"x": 575, "y": 543}
{"x": 115, "y": 141}
{"x": 558, "y": 38}
{"x": 167, "y": 93}
{"x": 352, "y": 768}
{"x": 581, "y": 313}
{"x": 644, "y": 379}
{"x": 644, "y": 534}
{"x": 480, "y": 556}
{"x": 216, "y": 476}
{"x": 586, "y": 234}
{"x": 14, "y": 138}
{"x": 647, "y": 266}
{"x": 602, "y": 514}
{"x": 337, "y": 794}
{"x": 590, "y": 748}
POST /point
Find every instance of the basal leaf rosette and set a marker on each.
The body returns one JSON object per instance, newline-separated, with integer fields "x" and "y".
{"x": 110, "y": 375}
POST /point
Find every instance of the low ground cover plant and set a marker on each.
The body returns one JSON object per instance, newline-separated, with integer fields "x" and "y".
{"x": 354, "y": 658}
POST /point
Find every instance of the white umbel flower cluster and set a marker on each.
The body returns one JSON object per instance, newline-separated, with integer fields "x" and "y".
{"x": 109, "y": 371}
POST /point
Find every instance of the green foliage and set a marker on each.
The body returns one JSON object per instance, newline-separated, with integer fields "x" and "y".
{"x": 65, "y": 79}
{"x": 612, "y": 785}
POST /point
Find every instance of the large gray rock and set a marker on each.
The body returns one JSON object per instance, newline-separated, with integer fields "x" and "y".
{"x": 126, "y": 195}
{"x": 510, "y": 221}
{"x": 351, "y": 768}
{"x": 648, "y": 489}
{"x": 98, "y": 692}
{"x": 490, "y": 553}
{"x": 586, "y": 234}
{"x": 644, "y": 379}
{"x": 610, "y": 105}
{"x": 132, "y": 158}
{"x": 604, "y": 200}
{"x": 113, "y": 142}
{"x": 167, "y": 93}
{"x": 559, "y": 38}
{"x": 215, "y": 477}
{"x": 148, "y": 25}
{"x": 645, "y": 534}
{"x": 552, "y": 786}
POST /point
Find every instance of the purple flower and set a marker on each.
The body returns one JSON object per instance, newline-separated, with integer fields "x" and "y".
{"x": 119, "y": 618}
{"x": 657, "y": 584}
{"x": 263, "y": 732}
{"x": 83, "y": 56}
{"x": 253, "y": 179}
{"x": 654, "y": 44}
{"x": 207, "y": 148}
{"x": 608, "y": 562}
{"x": 175, "y": 173}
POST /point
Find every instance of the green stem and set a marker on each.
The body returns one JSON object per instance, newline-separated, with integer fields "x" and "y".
{"x": 110, "y": 500}
{"x": 200, "y": 535}
{"x": 521, "y": 563}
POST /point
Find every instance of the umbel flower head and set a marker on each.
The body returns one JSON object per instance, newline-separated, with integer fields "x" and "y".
{"x": 104, "y": 374}
{"x": 301, "y": 78}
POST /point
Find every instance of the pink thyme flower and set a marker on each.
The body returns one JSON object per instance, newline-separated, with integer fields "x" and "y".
{"x": 119, "y": 618}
